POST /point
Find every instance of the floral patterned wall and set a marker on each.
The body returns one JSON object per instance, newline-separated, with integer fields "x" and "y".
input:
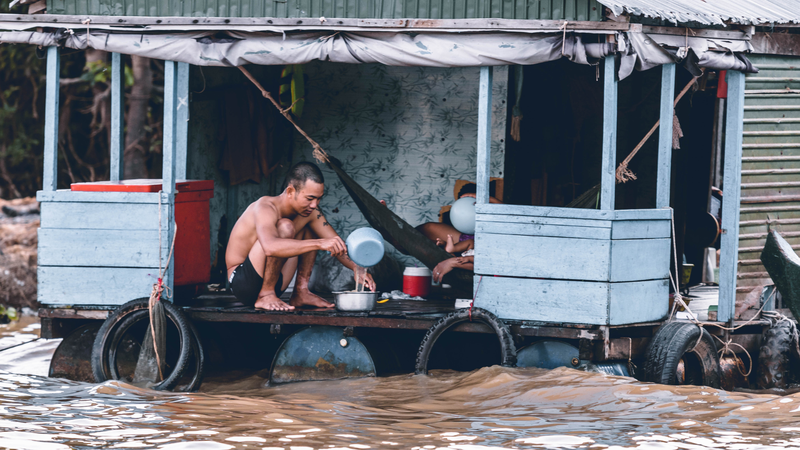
{"x": 406, "y": 134}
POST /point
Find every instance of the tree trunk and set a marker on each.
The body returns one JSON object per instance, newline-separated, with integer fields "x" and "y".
{"x": 136, "y": 145}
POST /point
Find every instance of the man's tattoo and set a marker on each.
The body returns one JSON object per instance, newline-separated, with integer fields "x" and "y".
{"x": 319, "y": 215}
{"x": 325, "y": 224}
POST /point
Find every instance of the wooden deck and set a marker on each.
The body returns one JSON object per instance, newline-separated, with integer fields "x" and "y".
{"x": 607, "y": 342}
{"x": 395, "y": 314}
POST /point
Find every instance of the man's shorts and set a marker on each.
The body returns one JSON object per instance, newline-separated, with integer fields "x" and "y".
{"x": 246, "y": 283}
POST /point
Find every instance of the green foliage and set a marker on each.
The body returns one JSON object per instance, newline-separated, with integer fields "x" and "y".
{"x": 84, "y": 130}
{"x": 129, "y": 80}
{"x": 96, "y": 72}
{"x": 21, "y": 81}
{"x": 8, "y": 314}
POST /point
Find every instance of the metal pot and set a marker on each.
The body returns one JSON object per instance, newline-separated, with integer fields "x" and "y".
{"x": 355, "y": 301}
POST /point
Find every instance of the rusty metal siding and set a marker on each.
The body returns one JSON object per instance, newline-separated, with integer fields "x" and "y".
{"x": 770, "y": 163}
{"x": 353, "y": 9}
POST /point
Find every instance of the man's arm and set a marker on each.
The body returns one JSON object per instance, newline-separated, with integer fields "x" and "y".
{"x": 320, "y": 226}
{"x": 323, "y": 229}
{"x": 266, "y": 218}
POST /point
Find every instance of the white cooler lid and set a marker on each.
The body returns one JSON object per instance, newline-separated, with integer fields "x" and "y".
{"x": 417, "y": 272}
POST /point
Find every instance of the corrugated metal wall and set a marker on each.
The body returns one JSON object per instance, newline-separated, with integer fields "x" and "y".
{"x": 770, "y": 163}
{"x": 361, "y": 9}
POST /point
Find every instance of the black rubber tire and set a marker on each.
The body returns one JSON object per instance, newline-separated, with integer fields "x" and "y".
{"x": 115, "y": 326}
{"x": 676, "y": 341}
{"x": 199, "y": 353}
{"x": 774, "y": 357}
{"x": 507, "y": 349}
{"x": 196, "y": 370}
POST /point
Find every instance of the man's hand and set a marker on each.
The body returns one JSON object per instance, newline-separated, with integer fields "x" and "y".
{"x": 334, "y": 245}
{"x": 368, "y": 282}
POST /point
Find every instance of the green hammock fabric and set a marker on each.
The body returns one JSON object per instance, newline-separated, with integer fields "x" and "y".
{"x": 398, "y": 232}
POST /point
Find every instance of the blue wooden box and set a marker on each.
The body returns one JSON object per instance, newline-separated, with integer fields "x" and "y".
{"x": 99, "y": 248}
{"x": 599, "y": 267}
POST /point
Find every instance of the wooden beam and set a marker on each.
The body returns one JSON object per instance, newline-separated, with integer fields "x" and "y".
{"x": 50, "y": 159}
{"x": 48, "y": 20}
{"x": 609, "y": 158}
{"x": 484, "y": 134}
{"x": 730, "y": 201}
{"x": 117, "y": 118}
{"x": 697, "y": 32}
{"x": 182, "y": 124}
{"x": 665, "y": 136}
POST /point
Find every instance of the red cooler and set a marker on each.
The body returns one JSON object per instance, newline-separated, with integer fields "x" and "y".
{"x": 417, "y": 281}
{"x": 192, "y": 257}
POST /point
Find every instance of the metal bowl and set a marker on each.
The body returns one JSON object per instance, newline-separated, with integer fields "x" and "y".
{"x": 355, "y": 301}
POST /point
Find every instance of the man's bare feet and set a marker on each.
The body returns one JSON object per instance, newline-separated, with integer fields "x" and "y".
{"x": 306, "y": 298}
{"x": 271, "y": 302}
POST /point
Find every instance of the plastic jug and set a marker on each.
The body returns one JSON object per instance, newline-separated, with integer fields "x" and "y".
{"x": 365, "y": 246}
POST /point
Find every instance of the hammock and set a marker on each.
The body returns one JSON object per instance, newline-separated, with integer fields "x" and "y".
{"x": 398, "y": 232}
{"x": 393, "y": 229}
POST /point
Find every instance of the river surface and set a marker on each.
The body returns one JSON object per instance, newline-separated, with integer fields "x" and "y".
{"x": 489, "y": 408}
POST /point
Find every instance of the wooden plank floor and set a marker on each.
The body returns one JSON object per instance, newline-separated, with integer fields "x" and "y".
{"x": 394, "y": 314}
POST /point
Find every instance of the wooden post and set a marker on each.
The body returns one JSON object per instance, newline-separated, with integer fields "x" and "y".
{"x": 50, "y": 161}
{"x": 168, "y": 169}
{"x": 729, "y": 255}
{"x": 170, "y": 126}
{"x": 484, "y": 135}
{"x": 117, "y": 118}
{"x": 609, "y": 160}
{"x": 665, "y": 136}
{"x": 182, "y": 129}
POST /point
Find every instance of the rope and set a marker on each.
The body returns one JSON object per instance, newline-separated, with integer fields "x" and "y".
{"x": 631, "y": 365}
{"x": 564, "y": 37}
{"x": 727, "y": 349}
{"x": 319, "y": 153}
{"x": 624, "y": 175}
{"x": 516, "y": 112}
{"x": 20, "y": 344}
{"x": 158, "y": 287}
{"x": 678, "y": 299}
{"x": 474, "y": 297}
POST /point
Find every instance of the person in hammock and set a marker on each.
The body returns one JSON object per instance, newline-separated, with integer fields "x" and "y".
{"x": 445, "y": 235}
{"x": 277, "y": 237}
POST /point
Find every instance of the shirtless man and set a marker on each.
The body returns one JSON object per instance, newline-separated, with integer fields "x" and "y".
{"x": 278, "y": 236}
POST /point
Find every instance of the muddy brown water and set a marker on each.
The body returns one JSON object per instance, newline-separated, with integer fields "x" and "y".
{"x": 491, "y": 407}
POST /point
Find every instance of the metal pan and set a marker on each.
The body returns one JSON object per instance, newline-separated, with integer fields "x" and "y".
{"x": 355, "y": 301}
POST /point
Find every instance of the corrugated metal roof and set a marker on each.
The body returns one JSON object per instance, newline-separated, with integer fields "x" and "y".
{"x": 571, "y": 10}
{"x": 716, "y": 12}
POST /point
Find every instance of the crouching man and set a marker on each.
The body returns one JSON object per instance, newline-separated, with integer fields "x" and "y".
{"x": 278, "y": 236}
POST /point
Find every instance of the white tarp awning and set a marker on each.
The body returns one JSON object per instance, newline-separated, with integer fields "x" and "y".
{"x": 433, "y": 49}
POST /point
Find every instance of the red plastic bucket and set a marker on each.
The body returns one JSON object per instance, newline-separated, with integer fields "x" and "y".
{"x": 417, "y": 281}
